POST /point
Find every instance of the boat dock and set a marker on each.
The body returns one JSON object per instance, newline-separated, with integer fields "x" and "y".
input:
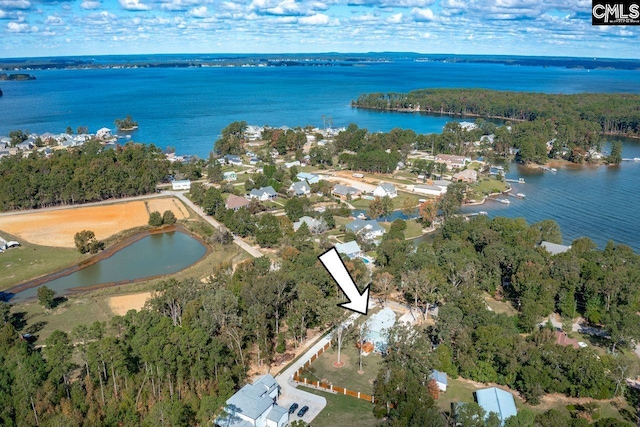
{"x": 635, "y": 159}
{"x": 544, "y": 168}
{"x": 517, "y": 181}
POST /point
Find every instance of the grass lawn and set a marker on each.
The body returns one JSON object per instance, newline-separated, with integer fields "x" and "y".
{"x": 360, "y": 203}
{"x": 414, "y": 229}
{"x": 398, "y": 202}
{"x": 344, "y": 410}
{"x": 500, "y": 306}
{"x": 30, "y": 261}
{"x": 486, "y": 186}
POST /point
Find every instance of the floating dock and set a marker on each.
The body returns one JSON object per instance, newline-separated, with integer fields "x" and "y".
{"x": 517, "y": 181}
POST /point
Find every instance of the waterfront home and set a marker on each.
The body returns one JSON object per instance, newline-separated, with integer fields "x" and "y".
{"x": 300, "y": 188}
{"x": 236, "y": 202}
{"x": 468, "y": 175}
{"x": 430, "y": 190}
{"x": 315, "y": 226}
{"x": 254, "y": 161}
{"x": 233, "y": 160}
{"x": 385, "y": 189}
{"x": 254, "y": 405}
{"x": 554, "y": 248}
{"x": 350, "y": 249}
{"x": 452, "y": 162}
{"x": 441, "y": 379}
{"x": 103, "y": 133}
{"x": 344, "y": 191}
{"x": 289, "y": 165}
{"x": 263, "y": 194}
{"x": 230, "y": 176}
{"x": 25, "y": 145}
{"x": 184, "y": 184}
{"x": 368, "y": 229}
{"x": 496, "y": 400}
{"x": 378, "y": 327}
{"x": 5, "y": 140}
{"x": 468, "y": 126}
{"x": 253, "y": 133}
{"x": 309, "y": 177}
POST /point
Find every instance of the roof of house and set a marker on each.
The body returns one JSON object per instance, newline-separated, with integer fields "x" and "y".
{"x": 300, "y": 187}
{"x": 343, "y": 190}
{"x": 441, "y": 183}
{"x": 229, "y": 173}
{"x": 276, "y": 413}
{"x": 234, "y": 202}
{"x": 382, "y": 320}
{"x": 497, "y": 400}
{"x": 181, "y": 181}
{"x": 359, "y": 224}
{"x": 351, "y": 247}
{"x": 564, "y": 340}
{"x": 467, "y": 173}
{"x": 260, "y": 192}
{"x": 450, "y": 158}
{"x": 389, "y": 188}
{"x": 428, "y": 187}
{"x": 311, "y": 222}
{"x": 232, "y": 157}
{"x": 440, "y": 377}
{"x": 554, "y": 248}
{"x": 253, "y": 400}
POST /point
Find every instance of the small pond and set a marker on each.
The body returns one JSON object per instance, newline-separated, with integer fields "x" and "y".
{"x": 153, "y": 255}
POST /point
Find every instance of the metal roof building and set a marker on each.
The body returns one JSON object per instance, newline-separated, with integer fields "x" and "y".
{"x": 497, "y": 400}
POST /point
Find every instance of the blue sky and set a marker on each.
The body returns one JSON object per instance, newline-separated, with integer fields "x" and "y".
{"x": 510, "y": 27}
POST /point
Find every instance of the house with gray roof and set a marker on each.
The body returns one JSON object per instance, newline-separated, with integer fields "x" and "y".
{"x": 350, "y": 249}
{"x": 263, "y": 194}
{"x": 440, "y": 378}
{"x": 300, "y": 188}
{"x": 254, "y": 405}
{"x": 368, "y": 229}
{"x": 233, "y": 160}
{"x": 385, "y": 189}
{"x": 315, "y": 226}
{"x": 378, "y": 327}
{"x": 344, "y": 191}
{"x": 309, "y": 177}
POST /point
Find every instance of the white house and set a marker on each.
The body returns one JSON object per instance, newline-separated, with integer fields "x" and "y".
{"x": 385, "y": 189}
{"x": 263, "y": 194}
{"x": 289, "y": 165}
{"x": 181, "y": 185}
{"x": 350, "y": 249}
{"x": 300, "y": 188}
{"x": 255, "y": 405}
{"x": 309, "y": 177}
{"x": 103, "y": 133}
{"x": 368, "y": 229}
{"x": 440, "y": 378}
{"x": 233, "y": 160}
{"x": 230, "y": 176}
{"x": 554, "y": 248}
{"x": 452, "y": 162}
{"x": 315, "y": 226}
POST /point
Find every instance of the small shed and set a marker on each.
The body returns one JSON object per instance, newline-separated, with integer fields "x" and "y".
{"x": 440, "y": 379}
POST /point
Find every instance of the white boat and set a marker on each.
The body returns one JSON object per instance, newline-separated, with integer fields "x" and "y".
{"x": 483, "y": 213}
{"x": 636, "y": 159}
{"x": 521, "y": 195}
{"x": 554, "y": 170}
{"x": 504, "y": 201}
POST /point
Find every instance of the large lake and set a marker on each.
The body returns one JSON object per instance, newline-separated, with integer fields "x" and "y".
{"x": 153, "y": 255}
{"x": 187, "y": 108}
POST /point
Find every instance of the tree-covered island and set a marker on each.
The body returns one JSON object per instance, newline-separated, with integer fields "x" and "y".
{"x": 543, "y": 126}
{"x": 126, "y": 124}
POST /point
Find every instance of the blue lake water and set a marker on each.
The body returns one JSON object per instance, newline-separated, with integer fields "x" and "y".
{"x": 186, "y": 108}
{"x": 156, "y": 254}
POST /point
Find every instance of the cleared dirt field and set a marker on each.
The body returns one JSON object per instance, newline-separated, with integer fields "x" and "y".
{"x": 174, "y": 205}
{"x": 121, "y": 304}
{"x": 57, "y": 228}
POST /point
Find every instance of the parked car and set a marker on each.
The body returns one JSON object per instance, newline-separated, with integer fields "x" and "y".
{"x": 303, "y": 411}
{"x": 293, "y": 408}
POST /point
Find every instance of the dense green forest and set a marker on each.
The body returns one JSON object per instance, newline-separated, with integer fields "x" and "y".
{"x": 84, "y": 174}
{"x": 617, "y": 113}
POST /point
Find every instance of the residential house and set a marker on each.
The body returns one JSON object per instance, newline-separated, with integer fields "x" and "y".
{"x": 254, "y": 405}
{"x": 236, "y": 202}
{"x": 5, "y": 140}
{"x": 233, "y": 160}
{"x": 184, "y": 184}
{"x": 344, "y": 191}
{"x": 430, "y": 190}
{"x": 468, "y": 126}
{"x": 300, "y": 188}
{"x": 315, "y": 226}
{"x": 564, "y": 340}
{"x": 467, "y": 175}
{"x": 368, "y": 229}
{"x": 441, "y": 183}
{"x": 452, "y": 162}
{"x": 497, "y": 400}
{"x": 378, "y": 326}
{"x": 554, "y": 248}
{"x": 254, "y": 161}
{"x": 441, "y": 379}
{"x": 230, "y": 176}
{"x": 103, "y": 133}
{"x": 350, "y": 249}
{"x": 25, "y": 145}
{"x": 385, "y": 189}
{"x": 289, "y": 165}
{"x": 309, "y": 177}
{"x": 263, "y": 194}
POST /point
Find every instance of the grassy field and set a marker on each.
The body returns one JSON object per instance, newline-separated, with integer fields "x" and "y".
{"x": 344, "y": 411}
{"x": 30, "y": 261}
{"x": 398, "y": 202}
{"x": 487, "y": 186}
{"x": 360, "y": 203}
{"x": 414, "y": 229}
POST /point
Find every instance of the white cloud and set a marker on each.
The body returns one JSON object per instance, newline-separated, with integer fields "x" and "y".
{"x": 53, "y": 20}
{"x": 15, "y": 4}
{"x": 15, "y": 27}
{"x": 90, "y": 5}
{"x": 317, "y": 19}
{"x": 134, "y": 5}
{"x": 422, "y": 15}
{"x": 199, "y": 12}
{"x": 395, "y": 18}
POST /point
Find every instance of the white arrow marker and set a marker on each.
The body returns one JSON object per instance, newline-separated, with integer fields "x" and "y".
{"x": 336, "y": 268}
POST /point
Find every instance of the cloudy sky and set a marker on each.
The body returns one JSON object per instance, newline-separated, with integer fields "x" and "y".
{"x": 521, "y": 27}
